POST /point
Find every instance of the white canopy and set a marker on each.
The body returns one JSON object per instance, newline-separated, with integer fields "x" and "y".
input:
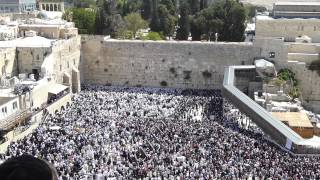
{"x": 57, "y": 88}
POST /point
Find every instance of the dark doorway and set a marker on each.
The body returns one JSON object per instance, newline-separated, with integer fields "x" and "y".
{"x": 36, "y": 74}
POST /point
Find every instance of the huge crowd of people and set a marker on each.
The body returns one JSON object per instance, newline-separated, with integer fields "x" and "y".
{"x": 153, "y": 133}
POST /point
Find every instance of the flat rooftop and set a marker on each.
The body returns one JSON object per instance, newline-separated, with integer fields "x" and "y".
{"x": 294, "y": 119}
{"x": 299, "y": 3}
{"x": 4, "y": 100}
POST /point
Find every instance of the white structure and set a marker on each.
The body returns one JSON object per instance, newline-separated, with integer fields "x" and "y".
{"x": 51, "y": 5}
{"x": 8, "y": 107}
{"x": 296, "y": 9}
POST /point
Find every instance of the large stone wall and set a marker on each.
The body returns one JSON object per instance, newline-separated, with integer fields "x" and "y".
{"x": 66, "y": 55}
{"x": 172, "y": 64}
{"x": 7, "y": 63}
{"x": 288, "y": 28}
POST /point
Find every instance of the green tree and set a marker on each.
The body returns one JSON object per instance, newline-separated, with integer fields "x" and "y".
{"x": 233, "y": 15}
{"x": 167, "y": 21}
{"x": 135, "y": 22}
{"x": 183, "y": 23}
{"x": 84, "y": 3}
{"x": 155, "y": 21}
{"x": 147, "y": 9}
{"x": 194, "y": 6}
{"x": 252, "y": 9}
{"x": 109, "y": 20}
{"x": 169, "y": 4}
{"x": 197, "y": 25}
{"x": 84, "y": 19}
{"x": 67, "y": 15}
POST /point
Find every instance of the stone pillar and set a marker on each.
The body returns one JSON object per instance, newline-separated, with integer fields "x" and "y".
{"x": 62, "y": 6}
{"x": 66, "y": 80}
{"x": 76, "y": 86}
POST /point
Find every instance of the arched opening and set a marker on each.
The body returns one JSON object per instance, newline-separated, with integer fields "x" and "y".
{"x": 62, "y": 108}
{"x": 47, "y": 7}
{"x": 43, "y": 7}
{"x": 55, "y": 7}
{"x": 59, "y": 7}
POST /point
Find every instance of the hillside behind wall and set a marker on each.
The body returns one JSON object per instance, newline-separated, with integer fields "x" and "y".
{"x": 148, "y": 63}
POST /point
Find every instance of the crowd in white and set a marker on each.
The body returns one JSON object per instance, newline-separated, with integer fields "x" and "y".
{"x": 152, "y": 133}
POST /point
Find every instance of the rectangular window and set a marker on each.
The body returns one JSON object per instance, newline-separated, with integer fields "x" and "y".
{"x": 14, "y": 105}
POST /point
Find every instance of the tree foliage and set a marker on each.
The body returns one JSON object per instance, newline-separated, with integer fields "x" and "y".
{"x": 84, "y": 19}
{"x": 115, "y": 18}
{"x": 134, "y": 22}
{"x": 252, "y": 9}
{"x": 183, "y": 23}
{"x": 287, "y": 75}
{"x": 154, "y": 36}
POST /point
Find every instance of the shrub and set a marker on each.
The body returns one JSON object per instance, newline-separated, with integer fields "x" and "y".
{"x": 294, "y": 93}
{"x": 187, "y": 75}
{"x": 154, "y": 36}
{"x": 173, "y": 70}
{"x": 206, "y": 74}
{"x": 287, "y": 75}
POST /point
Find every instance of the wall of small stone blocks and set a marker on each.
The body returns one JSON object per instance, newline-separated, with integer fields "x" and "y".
{"x": 168, "y": 64}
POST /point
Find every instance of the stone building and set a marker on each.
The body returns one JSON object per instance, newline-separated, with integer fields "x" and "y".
{"x": 51, "y": 5}
{"x": 294, "y": 21}
{"x": 15, "y": 6}
{"x": 296, "y": 10}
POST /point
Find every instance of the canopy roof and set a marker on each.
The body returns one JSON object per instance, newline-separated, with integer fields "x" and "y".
{"x": 57, "y": 88}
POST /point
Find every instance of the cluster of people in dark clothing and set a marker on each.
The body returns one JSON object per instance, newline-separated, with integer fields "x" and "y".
{"x": 155, "y": 133}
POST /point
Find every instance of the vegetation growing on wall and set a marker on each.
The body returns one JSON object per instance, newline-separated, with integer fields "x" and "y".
{"x": 206, "y": 74}
{"x": 164, "y": 83}
{"x": 187, "y": 75}
{"x": 315, "y": 66}
{"x": 286, "y": 75}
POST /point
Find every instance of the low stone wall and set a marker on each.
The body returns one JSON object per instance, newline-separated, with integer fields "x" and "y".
{"x": 62, "y": 102}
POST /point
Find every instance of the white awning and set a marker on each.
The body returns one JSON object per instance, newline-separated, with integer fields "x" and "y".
{"x": 57, "y": 88}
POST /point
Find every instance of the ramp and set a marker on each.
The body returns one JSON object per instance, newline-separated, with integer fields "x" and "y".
{"x": 273, "y": 127}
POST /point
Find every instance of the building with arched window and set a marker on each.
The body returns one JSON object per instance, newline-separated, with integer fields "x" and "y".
{"x": 13, "y": 6}
{"x": 51, "y": 5}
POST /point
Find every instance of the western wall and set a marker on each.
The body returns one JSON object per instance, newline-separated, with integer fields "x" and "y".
{"x": 197, "y": 65}
{"x": 169, "y": 64}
